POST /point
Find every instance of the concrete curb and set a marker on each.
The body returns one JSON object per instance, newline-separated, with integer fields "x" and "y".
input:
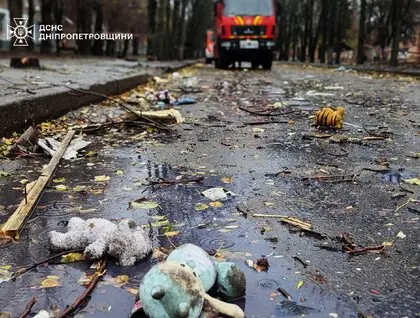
{"x": 54, "y": 102}
{"x": 358, "y": 68}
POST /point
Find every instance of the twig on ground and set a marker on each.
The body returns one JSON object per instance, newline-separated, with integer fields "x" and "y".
{"x": 410, "y": 200}
{"x": 169, "y": 182}
{"x": 269, "y": 114}
{"x": 284, "y": 293}
{"x": 28, "y": 308}
{"x": 33, "y": 266}
{"x": 100, "y": 271}
{"x": 297, "y": 258}
{"x": 327, "y": 164}
{"x": 94, "y": 128}
{"x": 364, "y": 250}
{"x": 256, "y": 123}
{"x": 356, "y": 102}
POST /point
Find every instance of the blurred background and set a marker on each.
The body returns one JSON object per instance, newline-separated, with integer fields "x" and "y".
{"x": 324, "y": 31}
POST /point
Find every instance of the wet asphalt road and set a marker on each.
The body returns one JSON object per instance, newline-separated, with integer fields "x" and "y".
{"x": 219, "y": 140}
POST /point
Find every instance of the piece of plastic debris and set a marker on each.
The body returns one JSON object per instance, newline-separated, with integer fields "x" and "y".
{"x": 299, "y": 284}
{"x": 315, "y": 93}
{"x": 218, "y": 193}
{"x": 184, "y": 101}
{"x": 51, "y": 145}
{"x": 401, "y": 235}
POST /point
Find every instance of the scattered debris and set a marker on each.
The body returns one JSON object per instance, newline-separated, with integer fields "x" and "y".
{"x": 15, "y": 223}
{"x": 287, "y": 219}
{"x": 51, "y": 145}
{"x": 218, "y": 193}
{"x": 261, "y": 265}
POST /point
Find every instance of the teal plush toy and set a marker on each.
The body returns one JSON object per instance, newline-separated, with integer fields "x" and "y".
{"x": 177, "y": 287}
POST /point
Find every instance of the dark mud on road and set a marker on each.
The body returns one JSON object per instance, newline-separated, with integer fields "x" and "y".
{"x": 217, "y": 141}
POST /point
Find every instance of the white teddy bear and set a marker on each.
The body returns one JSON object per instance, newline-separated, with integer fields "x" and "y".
{"x": 125, "y": 240}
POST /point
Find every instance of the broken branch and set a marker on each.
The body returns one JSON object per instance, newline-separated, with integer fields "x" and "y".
{"x": 100, "y": 271}
{"x": 372, "y": 249}
{"x": 269, "y": 114}
{"x": 25, "y": 270}
{"x": 28, "y": 308}
{"x": 169, "y": 182}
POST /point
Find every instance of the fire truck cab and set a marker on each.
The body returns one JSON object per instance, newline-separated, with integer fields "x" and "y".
{"x": 245, "y": 30}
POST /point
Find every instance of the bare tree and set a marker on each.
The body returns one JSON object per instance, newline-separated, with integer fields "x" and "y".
{"x": 361, "y": 43}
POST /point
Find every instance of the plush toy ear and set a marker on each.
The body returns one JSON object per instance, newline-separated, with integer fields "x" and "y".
{"x": 183, "y": 310}
{"x": 158, "y": 292}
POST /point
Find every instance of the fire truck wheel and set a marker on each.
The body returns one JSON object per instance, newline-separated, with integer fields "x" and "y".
{"x": 268, "y": 63}
{"x": 255, "y": 65}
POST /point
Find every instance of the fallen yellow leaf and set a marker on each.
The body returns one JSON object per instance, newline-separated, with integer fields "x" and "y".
{"x": 413, "y": 181}
{"x": 201, "y": 207}
{"x": 72, "y": 257}
{"x": 216, "y": 204}
{"x": 61, "y": 187}
{"x": 133, "y": 291}
{"x": 50, "y": 282}
{"x": 227, "y": 179}
{"x": 172, "y": 233}
{"x": 299, "y": 284}
{"x": 102, "y": 178}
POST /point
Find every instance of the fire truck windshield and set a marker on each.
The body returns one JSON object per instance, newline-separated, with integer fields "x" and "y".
{"x": 248, "y": 7}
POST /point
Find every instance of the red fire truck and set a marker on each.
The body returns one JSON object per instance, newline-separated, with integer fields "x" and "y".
{"x": 245, "y": 30}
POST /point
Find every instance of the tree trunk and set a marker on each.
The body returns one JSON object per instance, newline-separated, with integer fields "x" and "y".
{"x": 315, "y": 38}
{"x": 175, "y": 29}
{"x": 331, "y": 35}
{"x": 151, "y": 27}
{"x": 31, "y": 13}
{"x": 339, "y": 27}
{"x": 83, "y": 25}
{"x": 135, "y": 43}
{"x": 310, "y": 10}
{"x": 323, "y": 46}
{"x": 396, "y": 30}
{"x": 99, "y": 20}
{"x": 305, "y": 35}
{"x": 46, "y": 18}
{"x": 58, "y": 19}
{"x": 361, "y": 44}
